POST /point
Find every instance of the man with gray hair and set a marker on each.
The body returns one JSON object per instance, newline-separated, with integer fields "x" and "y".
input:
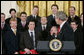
{"x": 65, "y": 32}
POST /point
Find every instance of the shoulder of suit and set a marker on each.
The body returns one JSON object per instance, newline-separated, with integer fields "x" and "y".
{"x": 24, "y": 33}
{"x": 77, "y": 16}
{"x": 38, "y": 16}
{"x": 29, "y": 16}
{"x": 49, "y": 16}
{"x": 68, "y": 27}
{"x": 8, "y": 18}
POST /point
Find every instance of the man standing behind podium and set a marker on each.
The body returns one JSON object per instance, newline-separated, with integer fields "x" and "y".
{"x": 65, "y": 32}
{"x": 29, "y": 38}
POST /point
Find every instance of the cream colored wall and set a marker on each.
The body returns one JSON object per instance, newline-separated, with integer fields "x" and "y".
{"x": 7, "y": 5}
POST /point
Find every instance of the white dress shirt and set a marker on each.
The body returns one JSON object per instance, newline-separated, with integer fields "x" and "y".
{"x": 73, "y": 16}
{"x": 13, "y": 29}
{"x": 34, "y": 16}
{"x": 53, "y": 15}
{"x": 62, "y": 25}
{"x": 23, "y": 22}
{"x": 43, "y": 27}
{"x": 33, "y": 36}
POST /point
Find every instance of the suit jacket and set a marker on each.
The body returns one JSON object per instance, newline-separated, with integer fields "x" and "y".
{"x": 44, "y": 32}
{"x": 8, "y": 20}
{"x": 78, "y": 39}
{"x": 5, "y": 28}
{"x": 3, "y": 31}
{"x": 52, "y": 21}
{"x": 37, "y": 19}
{"x": 21, "y": 28}
{"x": 66, "y": 33}
{"x": 11, "y": 42}
{"x": 76, "y": 18}
{"x": 26, "y": 41}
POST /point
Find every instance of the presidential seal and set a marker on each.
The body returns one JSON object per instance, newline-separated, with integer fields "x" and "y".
{"x": 55, "y": 45}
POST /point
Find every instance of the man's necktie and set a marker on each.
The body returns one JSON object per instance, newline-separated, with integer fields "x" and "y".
{"x": 58, "y": 29}
{"x": 23, "y": 24}
{"x": 72, "y": 18}
{"x": 32, "y": 38}
{"x": 2, "y": 26}
{"x": 54, "y": 17}
{"x": 34, "y": 16}
{"x": 44, "y": 28}
{"x": 15, "y": 31}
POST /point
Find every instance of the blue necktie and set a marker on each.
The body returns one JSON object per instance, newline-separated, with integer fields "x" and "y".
{"x": 32, "y": 39}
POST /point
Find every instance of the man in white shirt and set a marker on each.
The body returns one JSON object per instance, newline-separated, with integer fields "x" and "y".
{"x": 44, "y": 27}
{"x": 51, "y": 18}
{"x": 12, "y": 38}
{"x": 29, "y": 38}
{"x": 72, "y": 15}
{"x": 34, "y": 16}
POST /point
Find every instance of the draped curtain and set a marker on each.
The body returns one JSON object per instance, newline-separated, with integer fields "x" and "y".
{"x": 45, "y": 6}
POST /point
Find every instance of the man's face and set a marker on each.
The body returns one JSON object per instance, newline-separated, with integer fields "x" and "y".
{"x": 71, "y": 11}
{"x": 23, "y": 17}
{"x": 43, "y": 20}
{"x": 53, "y": 30}
{"x": 74, "y": 25}
{"x": 35, "y": 11}
{"x": 2, "y": 18}
{"x": 81, "y": 18}
{"x": 31, "y": 25}
{"x": 13, "y": 14}
{"x": 13, "y": 24}
{"x": 54, "y": 9}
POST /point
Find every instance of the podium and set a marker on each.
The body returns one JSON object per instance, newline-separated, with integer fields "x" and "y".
{"x": 67, "y": 47}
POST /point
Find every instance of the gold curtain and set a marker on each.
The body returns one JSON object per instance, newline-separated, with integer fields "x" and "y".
{"x": 45, "y": 6}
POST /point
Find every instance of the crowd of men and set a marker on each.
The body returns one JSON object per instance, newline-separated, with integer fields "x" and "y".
{"x": 23, "y": 33}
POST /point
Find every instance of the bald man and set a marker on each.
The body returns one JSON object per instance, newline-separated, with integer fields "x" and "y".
{"x": 44, "y": 27}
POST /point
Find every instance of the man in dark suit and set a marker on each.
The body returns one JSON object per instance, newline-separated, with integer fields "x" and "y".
{"x": 12, "y": 38}
{"x": 34, "y": 16}
{"x": 72, "y": 15}
{"x": 51, "y": 18}
{"x": 29, "y": 38}
{"x": 44, "y": 28}
{"x": 22, "y": 25}
{"x": 65, "y": 32}
{"x": 13, "y": 15}
{"x": 78, "y": 37}
{"x": 4, "y": 28}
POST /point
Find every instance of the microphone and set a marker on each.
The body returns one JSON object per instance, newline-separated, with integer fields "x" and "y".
{"x": 53, "y": 35}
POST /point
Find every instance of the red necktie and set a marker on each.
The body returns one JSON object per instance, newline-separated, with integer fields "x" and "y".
{"x": 58, "y": 29}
